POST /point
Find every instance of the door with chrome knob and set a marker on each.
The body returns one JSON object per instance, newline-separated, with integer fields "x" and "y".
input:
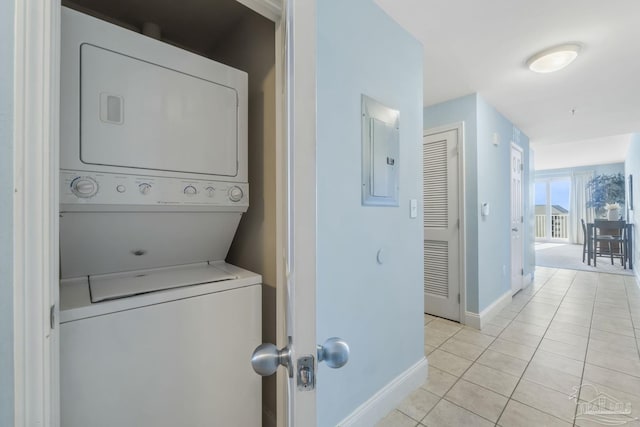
{"x": 267, "y": 358}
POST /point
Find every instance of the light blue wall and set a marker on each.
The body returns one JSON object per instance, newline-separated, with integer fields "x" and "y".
{"x": 451, "y": 112}
{"x": 632, "y": 166}
{"x": 376, "y": 308}
{"x": 487, "y": 180}
{"x": 494, "y": 187}
{"x": 6, "y": 212}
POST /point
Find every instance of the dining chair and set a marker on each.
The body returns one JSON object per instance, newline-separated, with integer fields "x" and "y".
{"x": 614, "y": 232}
{"x": 585, "y": 247}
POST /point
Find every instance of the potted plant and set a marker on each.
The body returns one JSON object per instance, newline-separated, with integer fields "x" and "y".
{"x": 606, "y": 190}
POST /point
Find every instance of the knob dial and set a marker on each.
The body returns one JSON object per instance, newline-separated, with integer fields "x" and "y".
{"x": 190, "y": 190}
{"x": 210, "y": 191}
{"x": 144, "y": 188}
{"x": 235, "y": 194}
{"x": 84, "y": 186}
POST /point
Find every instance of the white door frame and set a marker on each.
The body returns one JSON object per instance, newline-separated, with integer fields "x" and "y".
{"x": 516, "y": 147}
{"x": 35, "y": 212}
{"x": 300, "y": 212}
{"x": 35, "y": 215}
{"x": 462, "y": 209}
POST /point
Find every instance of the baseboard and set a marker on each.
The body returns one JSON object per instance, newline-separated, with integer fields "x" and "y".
{"x": 475, "y": 320}
{"x": 387, "y": 398}
{"x": 472, "y": 320}
{"x": 528, "y": 279}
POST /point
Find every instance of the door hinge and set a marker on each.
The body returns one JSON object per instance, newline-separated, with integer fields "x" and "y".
{"x": 458, "y": 298}
{"x": 458, "y": 223}
{"x": 521, "y": 166}
{"x": 52, "y": 316}
{"x": 522, "y": 219}
{"x": 522, "y": 271}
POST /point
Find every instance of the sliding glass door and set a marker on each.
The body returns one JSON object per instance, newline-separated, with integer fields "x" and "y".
{"x": 552, "y": 209}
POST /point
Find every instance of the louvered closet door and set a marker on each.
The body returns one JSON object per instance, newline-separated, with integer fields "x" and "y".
{"x": 441, "y": 228}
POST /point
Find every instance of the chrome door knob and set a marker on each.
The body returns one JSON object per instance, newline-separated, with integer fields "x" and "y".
{"x": 334, "y": 352}
{"x": 266, "y": 358}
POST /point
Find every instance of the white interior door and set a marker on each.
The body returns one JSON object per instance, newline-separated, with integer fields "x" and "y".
{"x": 441, "y": 225}
{"x": 296, "y": 300}
{"x": 517, "y": 219}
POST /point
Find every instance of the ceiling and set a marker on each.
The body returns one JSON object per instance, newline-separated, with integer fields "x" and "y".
{"x": 481, "y": 46}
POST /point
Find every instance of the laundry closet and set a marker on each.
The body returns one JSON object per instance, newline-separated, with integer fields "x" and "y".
{"x": 168, "y": 212}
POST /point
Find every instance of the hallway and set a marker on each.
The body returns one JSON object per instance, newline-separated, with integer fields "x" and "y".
{"x": 570, "y": 334}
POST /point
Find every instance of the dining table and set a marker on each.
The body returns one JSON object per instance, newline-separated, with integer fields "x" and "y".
{"x": 627, "y": 242}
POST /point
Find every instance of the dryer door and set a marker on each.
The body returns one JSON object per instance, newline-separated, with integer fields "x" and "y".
{"x": 137, "y": 114}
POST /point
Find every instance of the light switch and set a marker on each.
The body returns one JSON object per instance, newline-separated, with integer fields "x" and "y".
{"x": 413, "y": 210}
{"x": 485, "y": 209}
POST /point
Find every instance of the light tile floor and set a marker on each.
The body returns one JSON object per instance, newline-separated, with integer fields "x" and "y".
{"x": 569, "y": 333}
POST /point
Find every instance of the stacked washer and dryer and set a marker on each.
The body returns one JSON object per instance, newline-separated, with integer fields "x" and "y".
{"x": 156, "y": 329}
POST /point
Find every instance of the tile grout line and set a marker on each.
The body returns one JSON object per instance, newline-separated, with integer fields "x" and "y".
{"x": 529, "y": 299}
{"x": 633, "y": 326}
{"x": 586, "y": 351}
{"x": 480, "y": 355}
{"x": 536, "y": 350}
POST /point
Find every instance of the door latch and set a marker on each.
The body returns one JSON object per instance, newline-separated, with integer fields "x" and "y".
{"x": 306, "y": 373}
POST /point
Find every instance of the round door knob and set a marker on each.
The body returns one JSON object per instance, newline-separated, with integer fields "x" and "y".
{"x": 235, "y": 194}
{"x": 190, "y": 190}
{"x": 144, "y": 188}
{"x": 84, "y": 186}
{"x": 334, "y": 352}
{"x": 210, "y": 191}
{"x": 266, "y": 358}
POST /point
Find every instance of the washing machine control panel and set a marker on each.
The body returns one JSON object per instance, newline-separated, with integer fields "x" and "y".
{"x": 118, "y": 189}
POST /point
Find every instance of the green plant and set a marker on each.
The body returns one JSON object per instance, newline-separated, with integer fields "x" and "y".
{"x": 605, "y": 189}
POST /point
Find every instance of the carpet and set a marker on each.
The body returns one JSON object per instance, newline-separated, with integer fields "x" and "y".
{"x": 570, "y": 257}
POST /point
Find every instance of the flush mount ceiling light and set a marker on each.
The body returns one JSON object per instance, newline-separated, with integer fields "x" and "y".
{"x": 553, "y": 59}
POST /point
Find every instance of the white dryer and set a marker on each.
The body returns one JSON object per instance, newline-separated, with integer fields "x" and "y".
{"x": 156, "y": 329}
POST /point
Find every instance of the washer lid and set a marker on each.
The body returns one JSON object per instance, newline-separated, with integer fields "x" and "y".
{"x": 119, "y": 285}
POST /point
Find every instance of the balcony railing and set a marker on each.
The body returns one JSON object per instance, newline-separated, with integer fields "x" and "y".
{"x": 559, "y": 227}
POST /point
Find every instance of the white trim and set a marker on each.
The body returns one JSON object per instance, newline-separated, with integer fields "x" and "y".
{"x": 462, "y": 210}
{"x": 300, "y": 96}
{"x": 518, "y": 148}
{"x": 477, "y": 321}
{"x": 528, "y": 280}
{"x": 388, "y": 397}
{"x": 35, "y": 211}
{"x": 472, "y": 320}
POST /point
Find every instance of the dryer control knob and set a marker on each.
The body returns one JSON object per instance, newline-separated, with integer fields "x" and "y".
{"x": 190, "y": 190}
{"x": 84, "y": 186}
{"x": 144, "y": 188}
{"x": 210, "y": 191}
{"x": 235, "y": 194}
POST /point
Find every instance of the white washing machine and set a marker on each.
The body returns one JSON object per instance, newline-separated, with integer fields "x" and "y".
{"x": 173, "y": 357}
{"x": 156, "y": 329}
